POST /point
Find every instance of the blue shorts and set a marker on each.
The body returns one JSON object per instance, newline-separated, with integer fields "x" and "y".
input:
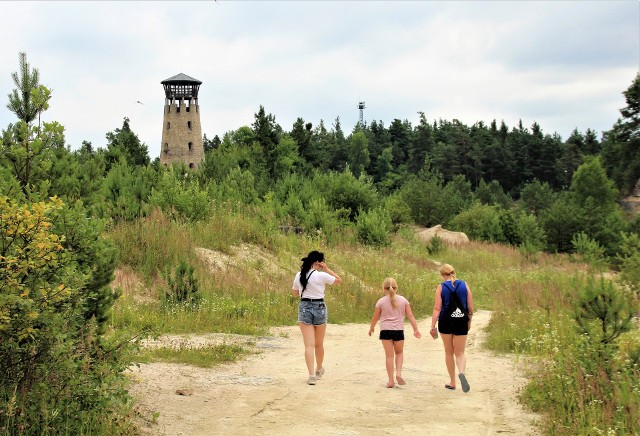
{"x": 312, "y": 312}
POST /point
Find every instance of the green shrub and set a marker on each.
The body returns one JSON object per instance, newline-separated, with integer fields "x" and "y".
{"x": 589, "y": 250}
{"x": 345, "y": 192}
{"x": 183, "y": 285}
{"x": 398, "y": 210}
{"x": 425, "y": 199}
{"x": 436, "y": 245}
{"x": 58, "y": 372}
{"x": 374, "y": 227}
{"x": 529, "y": 233}
{"x": 601, "y": 311}
{"x": 180, "y": 197}
{"x": 480, "y": 222}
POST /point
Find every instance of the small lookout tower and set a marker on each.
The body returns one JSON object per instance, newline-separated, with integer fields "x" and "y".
{"x": 181, "y": 129}
{"x": 361, "y": 108}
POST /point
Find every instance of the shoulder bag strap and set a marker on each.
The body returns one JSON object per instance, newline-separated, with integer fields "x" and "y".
{"x": 305, "y": 286}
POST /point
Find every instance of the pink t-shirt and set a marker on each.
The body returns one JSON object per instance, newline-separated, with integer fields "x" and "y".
{"x": 390, "y": 318}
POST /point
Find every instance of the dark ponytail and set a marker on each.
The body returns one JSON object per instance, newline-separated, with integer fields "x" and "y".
{"x": 307, "y": 262}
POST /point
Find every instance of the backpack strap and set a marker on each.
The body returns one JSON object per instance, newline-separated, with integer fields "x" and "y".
{"x": 451, "y": 287}
{"x": 305, "y": 286}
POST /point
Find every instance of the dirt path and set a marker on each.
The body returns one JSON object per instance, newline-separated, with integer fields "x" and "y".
{"x": 267, "y": 394}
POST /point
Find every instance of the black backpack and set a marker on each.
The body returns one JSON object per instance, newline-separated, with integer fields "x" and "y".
{"x": 456, "y": 309}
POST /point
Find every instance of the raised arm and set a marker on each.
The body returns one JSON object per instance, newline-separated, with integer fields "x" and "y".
{"x": 325, "y": 268}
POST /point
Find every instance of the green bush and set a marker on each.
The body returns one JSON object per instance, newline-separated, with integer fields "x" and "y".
{"x": 180, "y": 197}
{"x": 601, "y": 311}
{"x": 398, "y": 210}
{"x": 58, "y": 372}
{"x": 183, "y": 285}
{"x": 374, "y": 227}
{"x": 345, "y": 192}
{"x": 436, "y": 245}
{"x": 425, "y": 199}
{"x": 480, "y": 222}
{"x": 529, "y": 232}
{"x": 589, "y": 250}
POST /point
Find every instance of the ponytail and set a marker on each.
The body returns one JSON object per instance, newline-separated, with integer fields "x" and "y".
{"x": 307, "y": 262}
{"x": 389, "y": 285}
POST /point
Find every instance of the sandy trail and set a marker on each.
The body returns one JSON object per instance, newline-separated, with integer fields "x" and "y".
{"x": 267, "y": 394}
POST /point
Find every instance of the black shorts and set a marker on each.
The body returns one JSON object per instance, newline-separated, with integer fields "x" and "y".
{"x": 454, "y": 326}
{"x": 392, "y": 335}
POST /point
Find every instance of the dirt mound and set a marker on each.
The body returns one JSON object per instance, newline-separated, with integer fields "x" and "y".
{"x": 451, "y": 238}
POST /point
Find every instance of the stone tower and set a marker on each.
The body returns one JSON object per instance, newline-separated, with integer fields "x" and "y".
{"x": 181, "y": 129}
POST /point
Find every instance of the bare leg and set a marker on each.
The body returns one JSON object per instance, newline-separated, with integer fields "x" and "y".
{"x": 447, "y": 340}
{"x": 387, "y": 344}
{"x": 459, "y": 343}
{"x": 320, "y": 330}
{"x": 398, "y": 348}
{"x": 309, "y": 338}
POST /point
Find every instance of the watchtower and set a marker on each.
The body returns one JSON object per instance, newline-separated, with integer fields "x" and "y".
{"x": 181, "y": 130}
{"x": 361, "y": 107}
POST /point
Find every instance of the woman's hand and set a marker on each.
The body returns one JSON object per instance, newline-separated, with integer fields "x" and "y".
{"x": 417, "y": 334}
{"x": 434, "y": 333}
{"x": 371, "y": 331}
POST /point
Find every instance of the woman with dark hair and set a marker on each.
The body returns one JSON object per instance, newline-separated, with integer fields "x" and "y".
{"x": 309, "y": 285}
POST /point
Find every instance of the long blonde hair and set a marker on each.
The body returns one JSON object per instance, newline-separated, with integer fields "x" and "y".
{"x": 447, "y": 269}
{"x": 389, "y": 285}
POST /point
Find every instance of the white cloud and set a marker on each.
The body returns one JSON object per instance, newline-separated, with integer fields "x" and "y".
{"x": 562, "y": 64}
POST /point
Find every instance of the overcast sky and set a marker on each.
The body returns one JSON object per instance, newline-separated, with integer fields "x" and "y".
{"x": 563, "y": 64}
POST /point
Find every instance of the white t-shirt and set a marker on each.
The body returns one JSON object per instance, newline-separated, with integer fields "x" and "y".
{"x": 315, "y": 286}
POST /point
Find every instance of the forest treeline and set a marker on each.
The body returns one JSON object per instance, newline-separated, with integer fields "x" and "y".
{"x": 513, "y": 185}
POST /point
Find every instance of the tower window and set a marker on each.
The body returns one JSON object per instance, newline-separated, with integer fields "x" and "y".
{"x": 189, "y": 124}
{"x": 168, "y": 125}
{"x": 191, "y": 146}
{"x": 191, "y": 165}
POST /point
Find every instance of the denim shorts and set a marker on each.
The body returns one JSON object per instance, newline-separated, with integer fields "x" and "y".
{"x": 312, "y": 312}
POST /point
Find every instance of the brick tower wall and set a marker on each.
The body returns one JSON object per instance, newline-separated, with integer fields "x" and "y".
{"x": 181, "y": 135}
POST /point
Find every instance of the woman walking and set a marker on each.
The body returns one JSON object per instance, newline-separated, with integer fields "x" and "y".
{"x": 453, "y": 309}
{"x": 309, "y": 284}
{"x": 391, "y": 311}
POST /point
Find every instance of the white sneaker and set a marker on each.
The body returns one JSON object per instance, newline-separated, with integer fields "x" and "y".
{"x": 312, "y": 380}
{"x": 319, "y": 372}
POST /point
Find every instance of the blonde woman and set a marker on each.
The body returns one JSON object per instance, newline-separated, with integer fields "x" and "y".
{"x": 391, "y": 311}
{"x": 453, "y": 310}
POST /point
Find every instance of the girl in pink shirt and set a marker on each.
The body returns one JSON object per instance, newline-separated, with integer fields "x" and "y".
{"x": 391, "y": 311}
